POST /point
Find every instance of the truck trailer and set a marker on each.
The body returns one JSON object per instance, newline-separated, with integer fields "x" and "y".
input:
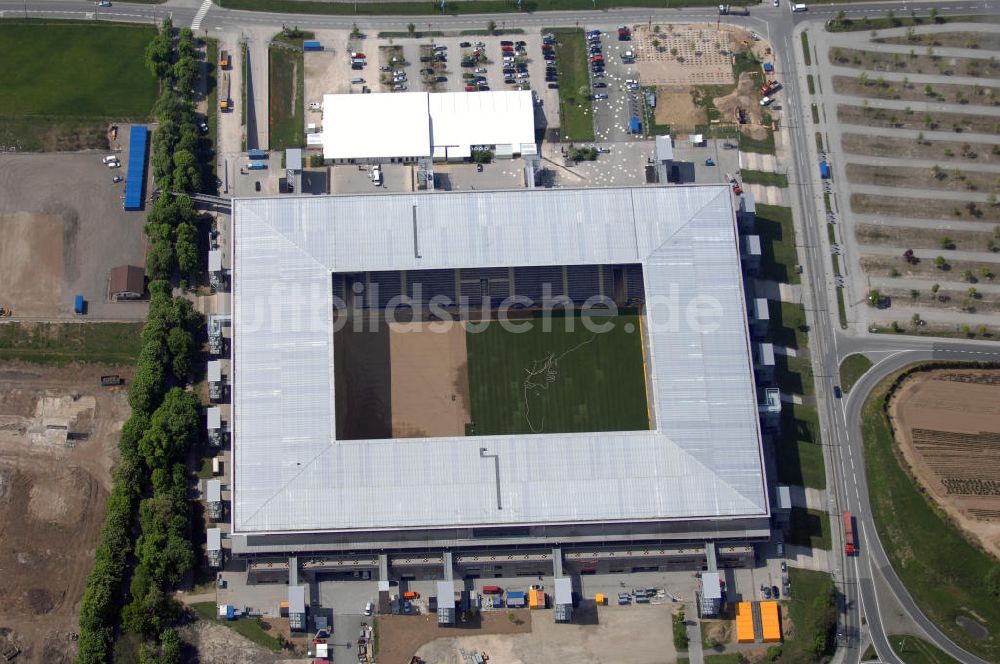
{"x": 225, "y": 103}
{"x": 850, "y": 538}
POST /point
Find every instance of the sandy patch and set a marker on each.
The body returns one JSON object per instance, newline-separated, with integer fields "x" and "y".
{"x": 430, "y": 380}
{"x": 675, "y": 107}
{"x": 31, "y": 263}
{"x": 948, "y": 428}
{"x": 685, "y": 54}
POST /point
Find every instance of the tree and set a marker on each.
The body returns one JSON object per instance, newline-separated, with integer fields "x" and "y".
{"x": 172, "y": 428}
{"x": 969, "y": 276}
{"x": 841, "y": 15}
{"x": 146, "y": 390}
{"x": 985, "y": 273}
{"x": 874, "y": 296}
{"x": 491, "y": 27}
{"x": 946, "y": 242}
{"x": 186, "y": 247}
{"x": 412, "y": 29}
{"x": 160, "y": 261}
{"x": 916, "y": 319}
{"x": 183, "y": 352}
{"x": 673, "y": 52}
{"x": 920, "y": 137}
{"x": 935, "y": 288}
{"x": 914, "y": 294}
{"x": 656, "y": 44}
{"x": 934, "y": 14}
{"x": 863, "y": 79}
{"x": 940, "y": 263}
{"x": 890, "y": 17}
{"x": 187, "y": 172}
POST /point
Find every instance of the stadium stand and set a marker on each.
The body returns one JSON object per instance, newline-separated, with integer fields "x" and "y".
{"x": 431, "y": 282}
{"x": 528, "y": 281}
{"x": 384, "y": 286}
{"x": 582, "y": 282}
{"x": 633, "y": 282}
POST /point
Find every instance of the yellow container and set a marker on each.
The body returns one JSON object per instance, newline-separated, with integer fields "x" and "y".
{"x": 600, "y": 599}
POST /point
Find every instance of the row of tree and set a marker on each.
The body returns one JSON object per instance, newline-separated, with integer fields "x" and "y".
{"x": 151, "y": 482}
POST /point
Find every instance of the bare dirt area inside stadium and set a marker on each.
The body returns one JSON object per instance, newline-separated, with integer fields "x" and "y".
{"x": 430, "y": 379}
{"x": 58, "y": 441}
{"x": 947, "y": 424}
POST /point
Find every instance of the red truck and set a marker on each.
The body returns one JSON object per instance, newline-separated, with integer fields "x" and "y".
{"x": 850, "y": 538}
{"x": 492, "y": 590}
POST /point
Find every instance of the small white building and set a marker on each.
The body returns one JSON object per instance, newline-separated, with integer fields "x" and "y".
{"x": 213, "y": 496}
{"x": 761, "y": 315}
{"x": 213, "y": 547}
{"x": 750, "y": 252}
{"x": 765, "y": 361}
{"x": 446, "y": 602}
{"x": 563, "y": 599}
{"x": 214, "y": 380}
{"x": 297, "y": 608}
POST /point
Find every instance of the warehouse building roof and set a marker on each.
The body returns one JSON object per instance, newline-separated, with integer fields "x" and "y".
{"x": 702, "y": 459}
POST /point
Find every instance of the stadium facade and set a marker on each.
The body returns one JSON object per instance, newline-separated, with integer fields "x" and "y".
{"x": 696, "y": 475}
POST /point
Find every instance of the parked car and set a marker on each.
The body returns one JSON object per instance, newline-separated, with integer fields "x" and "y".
{"x": 553, "y": 86}
{"x": 465, "y": 45}
{"x": 399, "y": 86}
{"x": 103, "y": 3}
{"x": 116, "y": 179}
{"x": 600, "y": 84}
{"x": 506, "y": 43}
{"x": 480, "y": 70}
{"x": 774, "y": 592}
{"x": 600, "y": 96}
{"x": 256, "y": 185}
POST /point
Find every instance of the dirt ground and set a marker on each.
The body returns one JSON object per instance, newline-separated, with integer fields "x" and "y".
{"x": 989, "y": 41}
{"x": 64, "y": 228}
{"x": 675, "y": 107}
{"x": 886, "y": 146}
{"x": 58, "y": 440}
{"x": 948, "y": 428}
{"x": 899, "y": 206}
{"x": 699, "y": 58}
{"x": 915, "y": 64}
{"x": 963, "y": 94}
{"x": 31, "y": 265}
{"x": 745, "y": 96}
{"x": 921, "y": 238}
{"x": 217, "y": 644}
{"x": 944, "y": 121}
{"x": 922, "y": 178}
{"x": 611, "y": 635}
{"x": 430, "y": 380}
{"x": 401, "y": 636}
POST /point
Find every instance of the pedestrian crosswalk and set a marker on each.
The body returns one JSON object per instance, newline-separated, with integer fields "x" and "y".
{"x": 205, "y": 6}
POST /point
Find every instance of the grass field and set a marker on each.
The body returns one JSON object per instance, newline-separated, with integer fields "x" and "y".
{"x": 286, "y": 76}
{"x": 913, "y": 650}
{"x": 63, "y": 79}
{"x": 576, "y": 115}
{"x": 777, "y": 240}
{"x": 800, "y": 454}
{"x": 946, "y": 575}
{"x": 557, "y": 381}
{"x": 764, "y": 177}
{"x": 813, "y": 615}
{"x": 851, "y": 369}
{"x": 809, "y": 528}
{"x": 62, "y": 343}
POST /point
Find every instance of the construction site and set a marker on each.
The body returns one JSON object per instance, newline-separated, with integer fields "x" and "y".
{"x": 59, "y": 429}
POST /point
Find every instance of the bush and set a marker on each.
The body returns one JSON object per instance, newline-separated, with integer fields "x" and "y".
{"x": 680, "y": 631}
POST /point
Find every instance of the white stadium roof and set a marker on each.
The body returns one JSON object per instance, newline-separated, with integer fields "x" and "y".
{"x": 416, "y": 124}
{"x": 702, "y": 460}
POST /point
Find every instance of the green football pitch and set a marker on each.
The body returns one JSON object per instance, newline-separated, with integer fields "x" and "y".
{"x": 557, "y": 381}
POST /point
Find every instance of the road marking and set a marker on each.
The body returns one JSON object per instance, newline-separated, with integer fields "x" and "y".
{"x": 205, "y": 6}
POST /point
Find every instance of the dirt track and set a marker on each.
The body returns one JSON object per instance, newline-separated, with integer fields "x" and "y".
{"x": 52, "y": 495}
{"x": 948, "y": 424}
{"x": 430, "y": 380}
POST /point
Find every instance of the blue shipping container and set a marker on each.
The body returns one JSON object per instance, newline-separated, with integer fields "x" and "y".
{"x": 79, "y": 304}
{"x": 257, "y": 154}
{"x": 824, "y": 170}
{"x": 135, "y": 178}
{"x": 257, "y": 165}
{"x": 635, "y": 126}
{"x": 312, "y": 46}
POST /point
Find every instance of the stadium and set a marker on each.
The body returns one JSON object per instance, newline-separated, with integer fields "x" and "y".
{"x": 492, "y": 371}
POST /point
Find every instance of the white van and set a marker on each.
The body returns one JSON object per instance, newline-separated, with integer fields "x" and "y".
{"x": 798, "y": 7}
{"x": 369, "y": 608}
{"x": 110, "y": 158}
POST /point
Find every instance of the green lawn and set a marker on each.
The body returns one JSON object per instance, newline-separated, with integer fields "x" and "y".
{"x": 800, "y": 453}
{"x": 946, "y": 575}
{"x": 788, "y": 324}
{"x": 809, "y": 528}
{"x": 727, "y": 658}
{"x": 286, "y": 75}
{"x": 576, "y": 116}
{"x": 764, "y": 178}
{"x": 757, "y": 145}
{"x": 63, "y": 343}
{"x": 557, "y": 381}
{"x": 913, "y": 650}
{"x": 813, "y": 616}
{"x": 777, "y": 239}
{"x": 62, "y": 82}
{"x": 851, "y": 369}
{"x": 794, "y": 374}
{"x": 247, "y": 627}
{"x": 882, "y": 22}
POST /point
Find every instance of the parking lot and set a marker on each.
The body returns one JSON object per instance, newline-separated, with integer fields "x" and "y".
{"x": 64, "y": 228}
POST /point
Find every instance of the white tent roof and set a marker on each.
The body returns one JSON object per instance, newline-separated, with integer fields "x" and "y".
{"x": 419, "y": 124}
{"x": 376, "y": 126}
{"x": 465, "y": 119}
{"x": 213, "y": 539}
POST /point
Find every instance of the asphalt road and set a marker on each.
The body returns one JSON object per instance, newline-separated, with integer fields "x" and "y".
{"x": 839, "y": 419}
